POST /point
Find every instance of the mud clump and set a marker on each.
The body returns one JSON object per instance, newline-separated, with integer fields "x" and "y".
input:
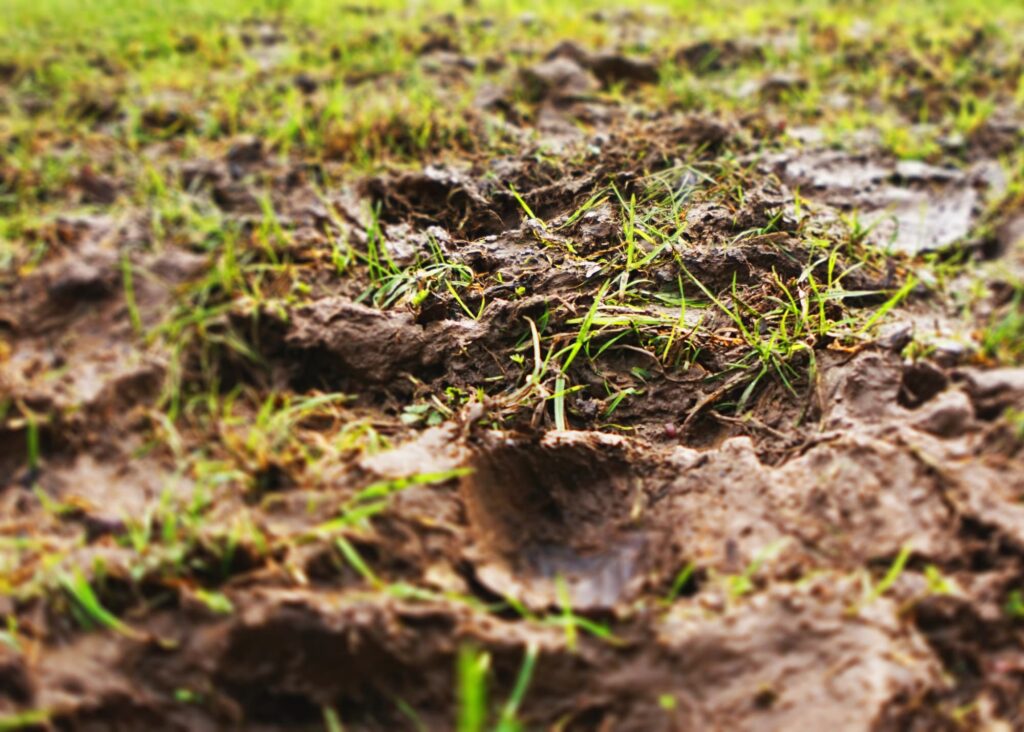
{"x": 758, "y": 666}
{"x": 335, "y": 336}
{"x": 15, "y": 681}
{"x": 560, "y": 79}
{"x": 307, "y": 656}
{"x": 436, "y": 196}
{"x": 993, "y": 392}
{"x": 713, "y": 56}
{"x": 608, "y": 67}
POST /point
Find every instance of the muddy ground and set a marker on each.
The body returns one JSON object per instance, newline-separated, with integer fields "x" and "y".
{"x": 455, "y": 408}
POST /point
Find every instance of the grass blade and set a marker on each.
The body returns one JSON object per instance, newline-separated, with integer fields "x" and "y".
{"x": 508, "y": 721}
{"x": 895, "y": 570}
{"x": 559, "y": 399}
{"x": 81, "y": 592}
{"x": 472, "y": 691}
{"x": 889, "y": 304}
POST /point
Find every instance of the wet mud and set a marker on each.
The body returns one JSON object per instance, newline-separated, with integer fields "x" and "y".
{"x": 710, "y": 552}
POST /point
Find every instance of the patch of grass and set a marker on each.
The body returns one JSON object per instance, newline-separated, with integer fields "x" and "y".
{"x": 217, "y": 602}
{"x": 473, "y": 668}
{"x": 353, "y": 557}
{"x": 374, "y": 499}
{"x": 682, "y": 579}
{"x": 508, "y": 719}
{"x": 896, "y": 298}
{"x": 332, "y": 720}
{"x": 24, "y": 720}
{"x": 1002, "y": 340}
{"x": 891, "y": 575}
{"x": 90, "y": 610}
{"x": 391, "y": 286}
{"x": 938, "y": 583}
{"x": 1016, "y": 419}
{"x": 1014, "y": 605}
{"x": 32, "y": 444}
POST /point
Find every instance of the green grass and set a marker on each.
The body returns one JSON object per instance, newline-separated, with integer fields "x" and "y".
{"x": 473, "y": 706}
{"x": 90, "y": 611}
{"x": 682, "y": 579}
{"x": 24, "y": 720}
{"x": 472, "y": 677}
{"x": 374, "y": 499}
{"x": 1002, "y": 340}
{"x": 896, "y": 569}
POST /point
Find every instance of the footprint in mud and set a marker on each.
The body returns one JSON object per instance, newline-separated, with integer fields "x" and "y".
{"x": 551, "y": 512}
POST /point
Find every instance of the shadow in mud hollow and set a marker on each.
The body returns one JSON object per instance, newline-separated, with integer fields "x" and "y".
{"x": 553, "y": 511}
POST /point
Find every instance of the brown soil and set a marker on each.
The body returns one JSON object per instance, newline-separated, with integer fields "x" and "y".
{"x": 879, "y": 453}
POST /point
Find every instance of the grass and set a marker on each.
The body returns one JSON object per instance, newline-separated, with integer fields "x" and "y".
{"x": 374, "y": 498}
{"x": 508, "y": 719}
{"x": 682, "y": 579}
{"x": 896, "y": 569}
{"x": 780, "y": 324}
{"x": 24, "y": 720}
{"x": 1002, "y": 340}
{"x": 32, "y": 447}
{"x": 1014, "y": 605}
{"x": 473, "y": 707}
{"x": 472, "y": 675}
{"x": 89, "y": 610}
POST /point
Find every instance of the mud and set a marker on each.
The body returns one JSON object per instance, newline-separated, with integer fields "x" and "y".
{"x": 711, "y": 552}
{"x": 908, "y": 206}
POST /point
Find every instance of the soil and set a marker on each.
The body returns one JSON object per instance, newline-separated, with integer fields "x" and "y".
{"x": 787, "y": 512}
